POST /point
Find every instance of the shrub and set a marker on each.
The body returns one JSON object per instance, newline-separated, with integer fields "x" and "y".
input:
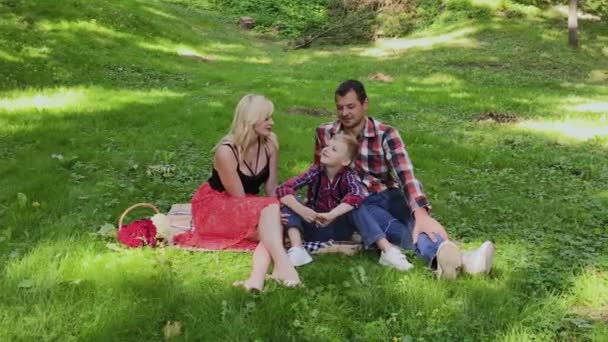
{"x": 291, "y": 18}
{"x": 349, "y": 21}
{"x": 394, "y": 24}
{"x": 466, "y": 9}
{"x": 597, "y": 7}
{"x": 427, "y": 11}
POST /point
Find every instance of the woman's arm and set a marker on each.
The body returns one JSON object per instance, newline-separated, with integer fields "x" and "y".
{"x": 272, "y": 182}
{"x": 225, "y": 164}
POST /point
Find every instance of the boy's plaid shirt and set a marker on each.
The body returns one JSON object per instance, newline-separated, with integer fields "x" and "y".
{"x": 324, "y": 195}
{"x": 382, "y": 154}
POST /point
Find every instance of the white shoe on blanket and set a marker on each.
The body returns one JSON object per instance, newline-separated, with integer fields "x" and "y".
{"x": 299, "y": 256}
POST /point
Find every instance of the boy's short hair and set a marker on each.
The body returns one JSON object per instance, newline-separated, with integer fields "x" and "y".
{"x": 352, "y": 145}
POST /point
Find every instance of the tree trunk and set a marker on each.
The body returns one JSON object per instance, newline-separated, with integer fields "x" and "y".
{"x": 572, "y": 23}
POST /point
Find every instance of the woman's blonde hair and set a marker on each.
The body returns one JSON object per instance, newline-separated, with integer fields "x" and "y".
{"x": 250, "y": 110}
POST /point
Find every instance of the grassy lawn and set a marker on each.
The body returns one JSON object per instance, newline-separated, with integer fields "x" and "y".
{"x": 94, "y": 94}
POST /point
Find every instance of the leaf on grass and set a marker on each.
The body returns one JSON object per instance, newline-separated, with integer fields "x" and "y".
{"x": 25, "y": 284}
{"x": 107, "y": 230}
{"x": 114, "y": 247}
{"x": 35, "y": 204}
{"x": 172, "y": 329}
{"x": 21, "y": 200}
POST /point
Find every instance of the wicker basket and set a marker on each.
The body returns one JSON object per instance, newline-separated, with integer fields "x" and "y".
{"x": 135, "y": 206}
{"x": 129, "y": 237}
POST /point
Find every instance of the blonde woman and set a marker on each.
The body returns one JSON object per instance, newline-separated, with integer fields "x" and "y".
{"x": 227, "y": 211}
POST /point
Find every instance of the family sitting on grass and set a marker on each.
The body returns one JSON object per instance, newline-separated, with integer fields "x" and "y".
{"x": 361, "y": 180}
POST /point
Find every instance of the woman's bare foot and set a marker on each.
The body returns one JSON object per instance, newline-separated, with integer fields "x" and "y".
{"x": 250, "y": 285}
{"x": 286, "y": 278}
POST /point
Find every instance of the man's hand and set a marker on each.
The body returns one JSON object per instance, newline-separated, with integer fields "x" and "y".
{"x": 324, "y": 219}
{"x": 428, "y": 225}
{"x": 308, "y": 214}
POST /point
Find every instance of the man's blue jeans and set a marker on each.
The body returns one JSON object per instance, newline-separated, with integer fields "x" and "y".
{"x": 386, "y": 215}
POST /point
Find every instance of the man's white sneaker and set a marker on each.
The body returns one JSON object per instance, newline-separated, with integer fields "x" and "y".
{"x": 299, "y": 256}
{"x": 479, "y": 260}
{"x": 393, "y": 257}
{"x": 449, "y": 260}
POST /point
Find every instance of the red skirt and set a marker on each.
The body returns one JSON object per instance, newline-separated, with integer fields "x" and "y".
{"x": 222, "y": 221}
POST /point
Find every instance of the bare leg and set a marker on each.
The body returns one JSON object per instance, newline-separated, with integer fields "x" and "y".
{"x": 295, "y": 237}
{"x": 271, "y": 236}
{"x": 261, "y": 262}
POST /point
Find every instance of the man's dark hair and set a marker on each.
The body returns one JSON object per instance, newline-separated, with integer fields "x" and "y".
{"x": 353, "y": 85}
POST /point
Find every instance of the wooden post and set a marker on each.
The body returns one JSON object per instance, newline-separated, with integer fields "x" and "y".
{"x": 572, "y": 23}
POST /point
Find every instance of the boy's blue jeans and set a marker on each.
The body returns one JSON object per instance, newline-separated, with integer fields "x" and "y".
{"x": 386, "y": 215}
{"x": 341, "y": 229}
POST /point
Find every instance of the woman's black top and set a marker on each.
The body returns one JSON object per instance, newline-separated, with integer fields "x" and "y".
{"x": 251, "y": 184}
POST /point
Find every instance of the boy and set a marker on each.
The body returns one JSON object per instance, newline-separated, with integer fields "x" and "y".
{"x": 334, "y": 191}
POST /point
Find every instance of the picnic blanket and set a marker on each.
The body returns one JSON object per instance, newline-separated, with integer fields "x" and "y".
{"x": 180, "y": 221}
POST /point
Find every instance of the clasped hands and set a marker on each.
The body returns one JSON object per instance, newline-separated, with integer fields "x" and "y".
{"x": 311, "y": 216}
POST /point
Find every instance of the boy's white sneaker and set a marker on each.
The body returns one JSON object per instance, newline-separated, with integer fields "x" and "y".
{"x": 449, "y": 260}
{"x": 299, "y": 256}
{"x": 393, "y": 257}
{"x": 479, "y": 260}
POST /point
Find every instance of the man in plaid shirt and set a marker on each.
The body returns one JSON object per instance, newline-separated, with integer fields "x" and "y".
{"x": 397, "y": 212}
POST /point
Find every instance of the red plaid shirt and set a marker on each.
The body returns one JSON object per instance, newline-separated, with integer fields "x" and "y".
{"x": 382, "y": 159}
{"x": 324, "y": 194}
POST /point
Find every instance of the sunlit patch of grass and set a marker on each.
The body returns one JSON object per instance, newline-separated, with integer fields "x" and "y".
{"x": 48, "y": 266}
{"x": 56, "y": 100}
{"x": 603, "y": 194}
{"x": 598, "y": 76}
{"x": 388, "y": 47}
{"x": 81, "y": 25}
{"x": 590, "y": 291}
{"x": 9, "y": 57}
{"x": 81, "y": 99}
{"x": 577, "y": 130}
{"x": 596, "y": 107}
{"x": 442, "y": 79}
{"x": 588, "y": 302}
{"x": 517, "y": 334}
{"x": 159, "y": 12}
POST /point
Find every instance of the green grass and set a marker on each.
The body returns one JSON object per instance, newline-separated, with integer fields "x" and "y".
{"x": 102, "y": 84}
